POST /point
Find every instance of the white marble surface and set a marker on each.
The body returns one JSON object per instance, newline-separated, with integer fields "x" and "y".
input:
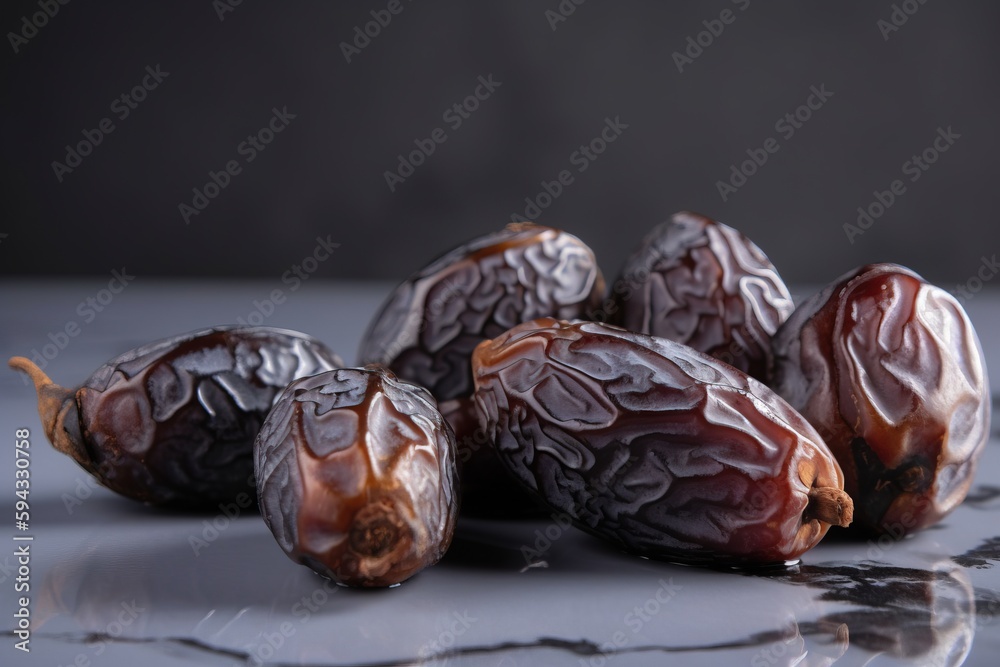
{"x": 116, "y": 583}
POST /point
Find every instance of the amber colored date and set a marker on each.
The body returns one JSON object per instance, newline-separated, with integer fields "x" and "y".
{"x": 889, "y": 370}
{"x": 655, "y": 446}
{"x": 173, "y": 422}
{"x": 702, "y": 283}
{"x": 356, "y": 476}
{"x": 428, "y": 327}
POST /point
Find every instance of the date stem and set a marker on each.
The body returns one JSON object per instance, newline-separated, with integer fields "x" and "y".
{"x": 829, "y": 505}
{"x": 56, "y": 408}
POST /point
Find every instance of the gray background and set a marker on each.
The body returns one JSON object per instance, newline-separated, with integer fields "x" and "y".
{"x": 324, "y": 175}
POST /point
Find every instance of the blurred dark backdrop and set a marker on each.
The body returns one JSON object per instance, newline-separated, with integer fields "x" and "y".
{"x": 894, "y": 84}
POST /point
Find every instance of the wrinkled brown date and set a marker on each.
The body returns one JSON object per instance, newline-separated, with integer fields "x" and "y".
{"x": 356, "y": 476}
{"x": 655, "y": 446}
{"x": 889, "y": 370}
{"x": 704, "y": 284}
{"x": 428, "y": 327}
{"x": 485, "y": 483}
{"x": 173, "y": 422}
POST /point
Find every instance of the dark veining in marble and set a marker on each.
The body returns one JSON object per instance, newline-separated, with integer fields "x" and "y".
{"x": 982, "y": 557}
{"x": 105, "y": 638}
{"x": 905, "y": 612}
{"x": 581, "y": 647}
{"x": 983, "y": 497}
{"x": 987, "y": 605}
{"x": 866, "y": 584}
{"x": 902, "y": 633}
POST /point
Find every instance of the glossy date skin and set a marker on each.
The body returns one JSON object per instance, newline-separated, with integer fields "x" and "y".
{"x": 173, "y": 422}
{"x": 657, "y": 447}
{"x": 702, "y": 283}
{"x": 486, "y": 486}
{"x": 428, "y": 327}
{"x": 356, "y": 476}
{"x": 889, "y": 370}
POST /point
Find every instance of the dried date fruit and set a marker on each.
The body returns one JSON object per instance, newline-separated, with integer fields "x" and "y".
{"x": 702, "y": 283}
{"x": 173, "y": 422}
{"x": 485, "y": 483}
{"x": 356, "y": 476}
{"x": 889, "y": 370}
{"x": 426, "y": 330}
{"x": 655, "y": 446}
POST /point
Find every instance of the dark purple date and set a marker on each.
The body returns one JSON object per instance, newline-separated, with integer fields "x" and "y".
{"x": 655, "y": 446}
{"x": 173, "y": 422}
{"x": 428, "y": 327}
{"x": 704, "y": 284}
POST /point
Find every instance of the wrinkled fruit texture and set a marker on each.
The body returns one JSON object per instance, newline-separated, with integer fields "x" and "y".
{"x": 656, "y": 447}
{"x": 356, "y": 476}
{"x": 890, "y": 371}
{"x": 428, "y": 327}
{"x": 704, "y": 284}
{"x": 485, "y": 482}
{"x": 173, "y": 422}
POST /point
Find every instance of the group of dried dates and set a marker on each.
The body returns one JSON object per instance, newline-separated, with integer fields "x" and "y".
{"x": 689, "y": 413}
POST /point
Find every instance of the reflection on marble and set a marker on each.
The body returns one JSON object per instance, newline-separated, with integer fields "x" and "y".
{"x": 984, "y": 556}
{"x": 900, "y": 611}
{"x": 116, "y": 583}
{"x": 984, "y": 496}
{"x": 995, "y": 432}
